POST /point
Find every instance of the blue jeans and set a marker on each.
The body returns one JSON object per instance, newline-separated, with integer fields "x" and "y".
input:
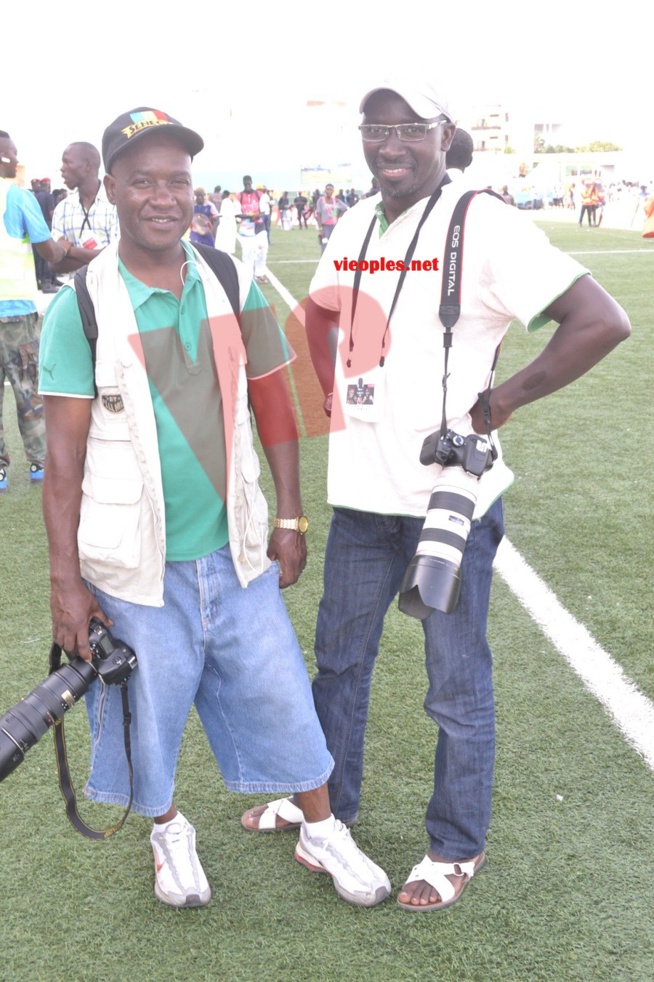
{"x": 366, "y": 558}
{"x": 232, "y": 652}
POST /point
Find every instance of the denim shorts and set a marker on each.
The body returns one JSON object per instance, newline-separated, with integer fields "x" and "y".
{"x": 232, "y": 652}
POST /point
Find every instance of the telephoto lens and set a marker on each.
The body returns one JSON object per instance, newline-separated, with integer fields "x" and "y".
{"x": 432, "y": 580}
{"x": 25, "y": 723}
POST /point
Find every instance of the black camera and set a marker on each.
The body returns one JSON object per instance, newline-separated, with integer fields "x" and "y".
{"x": 472, "y": 452}
{"x": 24, "y": 724}
{"x": 432, "y": 580}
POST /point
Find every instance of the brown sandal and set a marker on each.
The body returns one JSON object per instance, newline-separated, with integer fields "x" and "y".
{"x": 436, "y": 875}
{"x": 282, "y": 808}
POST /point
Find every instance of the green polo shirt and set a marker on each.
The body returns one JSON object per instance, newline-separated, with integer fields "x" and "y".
{"x": 185, "y": 393}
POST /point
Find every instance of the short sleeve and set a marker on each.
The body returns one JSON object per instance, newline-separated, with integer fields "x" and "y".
{"x": 24, "y": 216}
{"x": 266, "y": 346}
{"x": 65, "y": 361}
{"x": 524, "y": 273}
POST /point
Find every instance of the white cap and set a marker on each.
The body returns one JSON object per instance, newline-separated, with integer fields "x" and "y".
{"x": 420, "y": 94}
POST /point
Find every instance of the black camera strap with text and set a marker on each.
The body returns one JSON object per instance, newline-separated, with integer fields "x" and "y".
{"x": 65, "y": 782}
{"x": 450, "y": 305}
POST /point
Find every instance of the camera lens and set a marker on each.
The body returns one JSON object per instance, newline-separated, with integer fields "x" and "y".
{"x": 432, "y": 580}
{"x": 24, "y": 725}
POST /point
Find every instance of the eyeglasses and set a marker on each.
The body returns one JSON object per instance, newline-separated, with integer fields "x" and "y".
{"x": 406, "y": 132}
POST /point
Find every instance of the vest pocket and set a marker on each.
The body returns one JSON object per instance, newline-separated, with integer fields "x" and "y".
{"x": 109, "y": 529}
{"x": 249, "y": 504}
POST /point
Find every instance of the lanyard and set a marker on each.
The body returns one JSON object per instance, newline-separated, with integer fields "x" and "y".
{"x": 87, "y": 212}
{"x": 450, "y": 305}
{"x": 400, "y": 283}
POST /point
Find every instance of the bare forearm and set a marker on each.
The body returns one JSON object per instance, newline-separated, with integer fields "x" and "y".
{"x": 321, "y": 328}
{"x": 51, "y": 251}
{"x": 71, "y": 603}
{"x": 76, "y": 257}
{"x": 591, "y": 324}
{"x": 62, "y": 496}
{"x": 284, "y": 463}
{"x": 287, "y": 546}
{"x": 273, "y": 412}
{"x": 67, "y": 265}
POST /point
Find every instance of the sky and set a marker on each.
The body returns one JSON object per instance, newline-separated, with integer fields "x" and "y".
{"x": 243, "y": 82}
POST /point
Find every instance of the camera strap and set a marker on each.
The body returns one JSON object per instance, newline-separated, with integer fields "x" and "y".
{"x": 449, "y": 310}
{"x": 63, "y": 770}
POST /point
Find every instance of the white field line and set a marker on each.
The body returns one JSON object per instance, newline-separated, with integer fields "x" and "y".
{"x": 286, "y": 296}
{"x": 607, "y": 252}
{"x": 573, "y": 252}
{"x": 631, "y": 711}
{"x": 293, "y": 262}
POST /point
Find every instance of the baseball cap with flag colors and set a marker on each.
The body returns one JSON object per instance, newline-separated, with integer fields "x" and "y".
{"x": 136, "y": 124}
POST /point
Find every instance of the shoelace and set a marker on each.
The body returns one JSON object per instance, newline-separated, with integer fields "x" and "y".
{"x": 179, "y": 836}
{"x": 344, "y": 849}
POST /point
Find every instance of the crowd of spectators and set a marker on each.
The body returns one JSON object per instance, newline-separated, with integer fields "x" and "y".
{"x": 220, "y": 220}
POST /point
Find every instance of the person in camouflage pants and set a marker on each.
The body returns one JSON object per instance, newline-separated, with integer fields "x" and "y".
{"x": 19, "y": 351}
{"x": 21, "y": 225}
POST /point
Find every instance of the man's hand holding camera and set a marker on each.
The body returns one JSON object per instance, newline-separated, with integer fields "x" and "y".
{"x": 72, "y": 609}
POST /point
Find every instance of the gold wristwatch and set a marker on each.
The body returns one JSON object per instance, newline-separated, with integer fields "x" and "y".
{"x": 300, "y": 524}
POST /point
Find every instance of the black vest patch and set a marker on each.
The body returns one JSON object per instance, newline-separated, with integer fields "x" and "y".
{"x": 113, "y": 404}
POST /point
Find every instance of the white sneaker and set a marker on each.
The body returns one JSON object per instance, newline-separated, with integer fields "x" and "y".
{"x": 179, "y": 877}
{"x": 356, "y": 878}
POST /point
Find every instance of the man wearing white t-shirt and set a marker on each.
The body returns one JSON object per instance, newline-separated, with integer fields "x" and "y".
{"x": 392, "y": 347}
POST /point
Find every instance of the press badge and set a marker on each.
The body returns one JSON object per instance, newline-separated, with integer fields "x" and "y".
{"x": 363, "y": 396}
